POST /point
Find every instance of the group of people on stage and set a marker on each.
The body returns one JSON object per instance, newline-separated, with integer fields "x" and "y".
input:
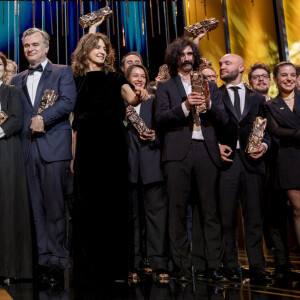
{"x": 65, "y": 132}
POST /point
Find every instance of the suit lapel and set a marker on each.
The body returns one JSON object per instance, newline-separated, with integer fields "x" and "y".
{"x": 180, "y": 87}
{"x": 24, "y": 87}
{"x": 40, "y": 89}
{"x": 227, "y": 100}
{"x": 284, "y": 110}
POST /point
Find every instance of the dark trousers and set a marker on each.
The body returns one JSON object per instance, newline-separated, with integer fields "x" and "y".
{"x": 198, "y": 165}
{"x": 237, "y": 183}
{"x": 47, "y": 183}
{"x": 149, "y": 208}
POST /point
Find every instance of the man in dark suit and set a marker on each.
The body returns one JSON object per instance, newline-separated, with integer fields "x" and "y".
{"x": 46, "y": 143}
{"x": 190, "y": 153}
{"x": 242, "y": 174}
{"x": 275, "y": 207}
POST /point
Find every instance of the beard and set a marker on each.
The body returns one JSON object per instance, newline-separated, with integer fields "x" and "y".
{"x": 262, "y": 90}
{"x": 230, "y": 76}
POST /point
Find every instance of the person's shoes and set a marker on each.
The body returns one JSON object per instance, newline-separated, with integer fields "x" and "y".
{"x": 234, "y": 274}
{"x": 162, "y": 276}
{"x": 199, "y": 274}
{"x": 282, "y": 271}
{"x": 217, "y": 275}
{"x": 56, "y": 274}
{"x": 259, "y": 275}
{"x": 184, "y": 275}
{"x": 43, "y": 273}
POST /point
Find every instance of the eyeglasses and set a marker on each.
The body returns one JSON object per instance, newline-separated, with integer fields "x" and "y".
{"x": 211, "y": 76}
{"x": 262, "y": 76}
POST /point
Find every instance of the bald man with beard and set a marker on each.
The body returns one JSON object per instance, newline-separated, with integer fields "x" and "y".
{"x": 242, "y": 175}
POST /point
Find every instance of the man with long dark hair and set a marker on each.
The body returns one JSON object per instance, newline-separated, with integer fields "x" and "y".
{"x": 190, "y": 154}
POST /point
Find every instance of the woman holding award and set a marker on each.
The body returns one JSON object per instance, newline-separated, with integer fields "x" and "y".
{"x": 100, "y": 248}
{"x": 283, "y": 117}
{"x": 15, "y": 227}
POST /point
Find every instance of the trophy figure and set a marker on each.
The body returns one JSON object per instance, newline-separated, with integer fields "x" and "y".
{"x": 95, "y": 16}
{"x": 256, "y": 135}
{"x": 48, "y": 99}
{"x": 137, "y": 122}
{"x": 195, "y": 29}
{"x": 197, "y": 83}
{"x": 3, "y": 117}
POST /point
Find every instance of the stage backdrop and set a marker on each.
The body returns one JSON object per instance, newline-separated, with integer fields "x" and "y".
{"x": 249, "y": 28}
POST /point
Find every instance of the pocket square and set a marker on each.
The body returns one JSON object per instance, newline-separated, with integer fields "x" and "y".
{"x": 281, "y": 107}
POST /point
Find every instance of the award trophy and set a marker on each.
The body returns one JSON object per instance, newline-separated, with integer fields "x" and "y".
{"x": 3, "y": 117}
{"x": 137, "y": 122}
{"x": 195, "y": 29}
{"x": 256, "y": 135}
{"x": 197, "y": 83}
{"x": 48, "y": 99}
{"x": 163, "y": 71}
{"x": 95, "y": 16}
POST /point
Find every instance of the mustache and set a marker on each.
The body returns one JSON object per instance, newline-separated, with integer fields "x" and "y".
{"x": 187, "y": 62}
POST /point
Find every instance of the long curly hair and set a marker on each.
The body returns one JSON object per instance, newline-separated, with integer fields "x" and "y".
{"x": 80, "y": 57}
{"x": 174, "y": 51}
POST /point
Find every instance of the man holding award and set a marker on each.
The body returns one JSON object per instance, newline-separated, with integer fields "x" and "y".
{"x": 243, "y": 170}
{"x": 48, "y": 94}
{"x": 190, "y": 154}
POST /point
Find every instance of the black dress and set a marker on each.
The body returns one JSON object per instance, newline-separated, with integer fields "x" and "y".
{"x": 15, "y": 225}
{"x": 100, "y": 220}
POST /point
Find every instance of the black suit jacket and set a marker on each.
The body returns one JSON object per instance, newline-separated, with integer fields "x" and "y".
{"x": 177, "y": 128}
{"x": 284, "y": 125}
{"x": 144, "y": 157}
{"x": 241, "y": 129}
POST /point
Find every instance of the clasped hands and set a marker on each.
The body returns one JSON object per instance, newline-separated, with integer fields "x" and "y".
{"x": 226, "y": 151}
{"x": 141, "y": 93}
{"x": 195, "y": 98}
{"x": 37, "y": 124}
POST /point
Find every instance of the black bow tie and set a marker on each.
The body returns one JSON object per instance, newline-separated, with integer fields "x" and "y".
{"x": 39, "y": 68}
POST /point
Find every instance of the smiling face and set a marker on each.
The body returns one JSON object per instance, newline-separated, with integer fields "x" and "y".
{"x": 35, "y": 49}
{"x": 97, "y": 56}
{"x": 138, "y": 77}
{"x": 260, "y": 81}
{"x": 2, "y": 69}
{"x": 286, "y": 79}
{"x": 131, "y": 60}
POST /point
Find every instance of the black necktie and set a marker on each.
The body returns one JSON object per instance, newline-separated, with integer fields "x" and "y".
{"x": 237, "y": 101}
{"x": 39, "y": 68}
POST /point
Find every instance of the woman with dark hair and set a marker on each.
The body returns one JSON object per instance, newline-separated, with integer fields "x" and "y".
{"x": 100, "y": 230}
{"x": 15, "y": 227}
{"x": 147, "y": 193}
{"x": 283, "y": 114}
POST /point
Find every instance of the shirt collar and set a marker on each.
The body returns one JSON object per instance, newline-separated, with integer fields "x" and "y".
{"x": 1, "y": 82}
{"x": 183, "y": 78}
{"x": 240, "y": 85}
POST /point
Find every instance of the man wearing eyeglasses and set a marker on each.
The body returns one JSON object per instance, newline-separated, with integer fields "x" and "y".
{"x": 259, "y": 79}
{"x": 210, "y": 74}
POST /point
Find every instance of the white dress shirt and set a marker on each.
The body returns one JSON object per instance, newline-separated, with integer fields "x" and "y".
{"x": 33, "y": 82}
{"x": 196, "y": 135}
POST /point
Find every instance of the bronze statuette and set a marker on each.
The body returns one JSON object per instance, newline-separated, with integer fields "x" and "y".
{"x": 95, "y": 16}
{"x": 3, "y": 117}
{"x": 256, "y": 135}
{"x": 195, "y": 29}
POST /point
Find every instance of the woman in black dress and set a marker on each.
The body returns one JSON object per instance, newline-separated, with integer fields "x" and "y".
{"x": 15, "y": 227}
{"x": 283, "y": 114}
{"x": 100, "y": 230}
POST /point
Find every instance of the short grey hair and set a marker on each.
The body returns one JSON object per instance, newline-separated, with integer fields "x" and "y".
{"x": 30, "y": 31}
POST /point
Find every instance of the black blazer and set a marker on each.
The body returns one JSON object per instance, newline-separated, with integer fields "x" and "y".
{"x": 11, "y": 104}
{"x": 144, "y": 157}
{"x": 177, "y": 128}
{"x": 241, "y": 129}
{"x": 284, "y": 124}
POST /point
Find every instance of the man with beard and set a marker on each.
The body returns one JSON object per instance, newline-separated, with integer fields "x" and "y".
{"x": 190, "y": 154}
{"x": 242, "y": 174}
{"x": 259, "y": 79}
{"x": 274, "y": 208}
